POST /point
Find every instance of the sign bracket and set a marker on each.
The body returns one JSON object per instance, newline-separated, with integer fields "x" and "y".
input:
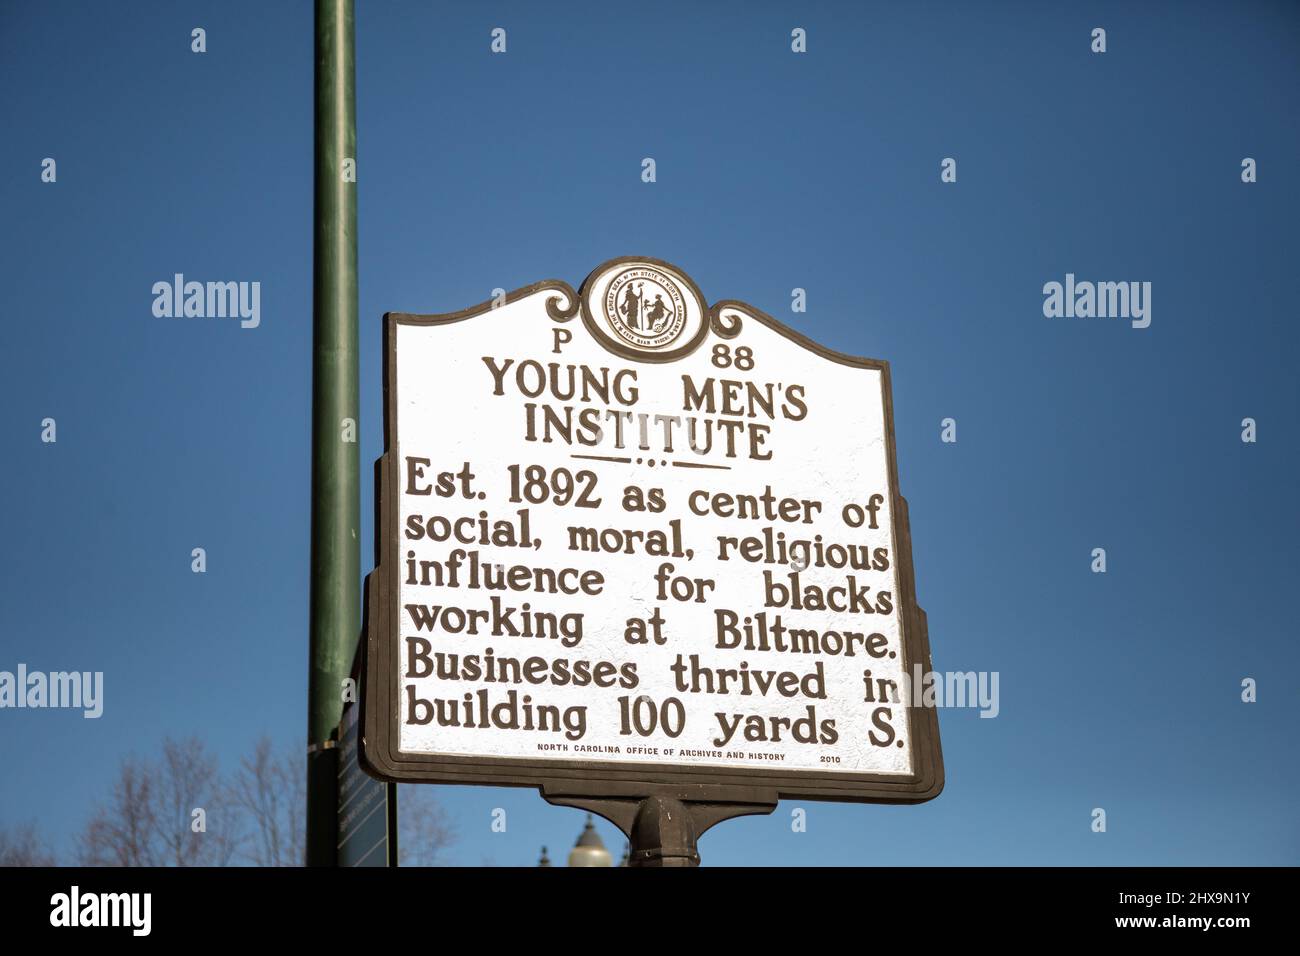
{"x": 664, "y": 828}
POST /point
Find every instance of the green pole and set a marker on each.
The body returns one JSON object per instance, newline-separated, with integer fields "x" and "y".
{"x": 335, "y": 471}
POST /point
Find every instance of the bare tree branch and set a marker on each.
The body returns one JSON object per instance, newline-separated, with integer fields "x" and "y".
{"x": 172, "y": 813}
{"x": 425, "y": 831}
{"x": 270, "y": 789}
{"x": 256, "y": 815}
{"x": 23, "y": 846}
{"x": 189, "y": 782}
{"x": 123, "y": 833}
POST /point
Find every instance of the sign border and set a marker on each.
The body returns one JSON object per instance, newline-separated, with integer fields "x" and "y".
{"x": 380, "y": 735}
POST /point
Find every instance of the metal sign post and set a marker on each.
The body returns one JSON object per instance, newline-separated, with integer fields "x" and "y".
{"x": 335, "y": 473}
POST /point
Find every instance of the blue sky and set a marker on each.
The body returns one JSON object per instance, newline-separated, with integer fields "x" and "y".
{"x": 775, "y": 171}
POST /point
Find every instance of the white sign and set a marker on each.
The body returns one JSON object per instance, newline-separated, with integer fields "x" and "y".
{"x": 626, "y": 532}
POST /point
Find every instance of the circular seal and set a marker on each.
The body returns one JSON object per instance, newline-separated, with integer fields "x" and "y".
{"x": 645, "y": 307}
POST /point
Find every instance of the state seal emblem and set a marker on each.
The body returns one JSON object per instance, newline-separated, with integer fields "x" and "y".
{"x": 645, "y": 307}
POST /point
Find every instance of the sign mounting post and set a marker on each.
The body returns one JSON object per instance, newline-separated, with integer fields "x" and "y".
{"x": 646, "y": 555}
{"x": 335, "y": 468}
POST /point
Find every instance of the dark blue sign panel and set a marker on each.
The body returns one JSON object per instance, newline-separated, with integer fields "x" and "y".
{"x": 367, "y": 807}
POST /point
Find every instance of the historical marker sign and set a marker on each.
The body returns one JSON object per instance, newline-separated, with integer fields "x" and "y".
{"x": 630, "y": 541}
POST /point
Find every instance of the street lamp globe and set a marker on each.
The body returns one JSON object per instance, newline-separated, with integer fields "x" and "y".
{"x": 590, "y": 849}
